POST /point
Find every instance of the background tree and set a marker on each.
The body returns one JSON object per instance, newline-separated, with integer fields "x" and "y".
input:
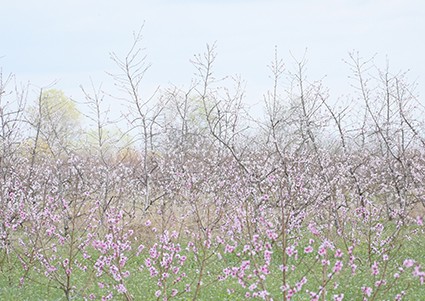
{"x": 56, "y": 122}
{"x": 12, "y": 108}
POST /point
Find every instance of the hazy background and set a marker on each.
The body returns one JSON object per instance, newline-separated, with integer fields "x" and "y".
{"x": 70, "y": 41}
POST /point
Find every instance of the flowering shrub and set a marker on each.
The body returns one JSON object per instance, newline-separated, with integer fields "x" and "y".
{"x": 303, "y": 206}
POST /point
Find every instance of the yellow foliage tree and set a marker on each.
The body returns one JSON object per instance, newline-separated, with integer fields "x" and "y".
{"x": 56, "y": 121}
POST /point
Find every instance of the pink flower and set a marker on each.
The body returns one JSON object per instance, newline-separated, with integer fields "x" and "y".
{"x": 153, "y": 271}
{"x": 245, "y": 265}
{"x": 367, "y": 291}
{"x": 313, "y": 229}
{"x": 308, "y": 249}
{"x": 121, "y": 289}
{"x": 314, "y": 296}
{"x": 271, "y": 235}
{"x": 290, "y": 251}
{"x": 299, "y": 285}
{"x": 182, "y": 259}
{"x": 268, "y": 256}
{"x": 108, "y": 297}
{"x": 408, "y": 263}
{"x": 337, "y": 267}
{"x": 252, "y": 286}
{"x": 290, "y": 293}
{"x": 140, "y": 249}
{"x": 338, "y": 297}
{"x": 229, "y": 249}
{"x": 375, "y": 269}
{"x": 265, "y": 270}
{"x": 399, "y": 297}
{"x": 417, "y": 272}
{"x": 380, "y": 283}
{"x": 353, "y": 268}
{"x": 153, "y": 252}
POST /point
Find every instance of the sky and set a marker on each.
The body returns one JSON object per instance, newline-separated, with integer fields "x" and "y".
{"x": 69, "y": 42}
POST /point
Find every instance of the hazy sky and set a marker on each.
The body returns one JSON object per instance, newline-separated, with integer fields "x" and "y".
{"x": 70, "y": 41}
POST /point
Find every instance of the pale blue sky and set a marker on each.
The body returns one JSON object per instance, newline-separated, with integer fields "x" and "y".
{"x": 70, "y": 41}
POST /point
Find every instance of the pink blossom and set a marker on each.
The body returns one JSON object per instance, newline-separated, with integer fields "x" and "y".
{"x": 121, "y": 288}
{"x": 268, "y": 256}
{"x": 396, "y": 275}
{"x": 308, "y": 249}
{"x": 153, "y": 252}
{"x": 265, "y": 270}
{"x": 313, "y": 229}
{"x": 416, "y": 272}
{"x": 182, "y": 259}
{"x": 367, "y": 291}
{"x": 290, "y": 293}
{"x": 380, "y": 282}
{"x": 252, "y": 286}
{"x": 314, "y": 296}
{"x": 375, "y": 269}
{"x": 229, "y": 248}
{"x": 140, "y": 249}
{"x": 337, "y": 267}
{"x": 290, "y": 251}
{"x": 153, "y": 271}
{"x": 399, "y": 297}
{"x": 339, "y": 297}
{"x": 271, "y": 234}
{"x": 338, "y": 253}
{"x": 408, "y": 263}
{"x": 107, "y": 297}
{"x": 300, "y": 284}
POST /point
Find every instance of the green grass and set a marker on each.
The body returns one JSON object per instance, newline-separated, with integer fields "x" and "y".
{"x": 143, "y": 287}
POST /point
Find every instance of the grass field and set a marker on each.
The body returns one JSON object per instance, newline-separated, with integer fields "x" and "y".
{"x": 214, "y": 261}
